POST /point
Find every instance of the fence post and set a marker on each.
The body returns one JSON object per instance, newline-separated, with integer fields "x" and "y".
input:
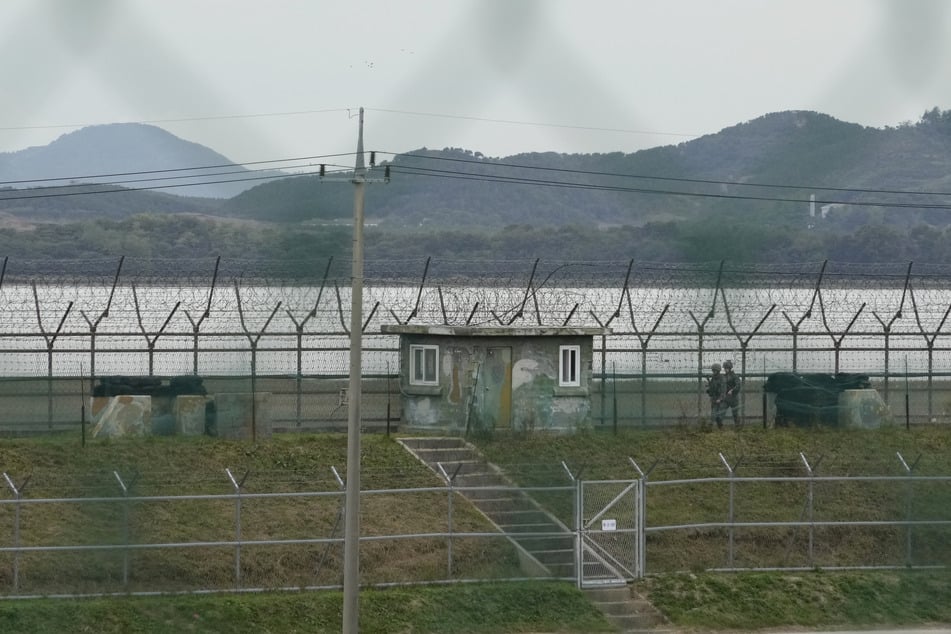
{"x": 237, "y": 525}
{"x": 810, "y": 504}
{"x": 909, "y": 492}
{"x": 253, "y": 342}
{"x": 18, "y": 494}
{"x": 744, "y": 348}
{"x": 341, "y": 510}
{"x": 196, "y": 325}
{"x": 50, "y": 342}
{"x": 645, "y": 342}
{"x": 929, "y": 340}
{"x": 887, "y": 327}
{"x": 151, "y": 340}
{"x": 449, "y": 483}
{"x": 837, "y": 341}
{"x": 578, "y": 524}
{"x": 641, "y": 520}
{"x": 125, "y": 526}
{"x": 94, "y": 326}
{"x": 732, "y": 515}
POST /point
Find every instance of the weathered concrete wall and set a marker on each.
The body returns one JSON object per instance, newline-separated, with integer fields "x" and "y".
{"x": 497, "y": 381}
{"x": 125, "y": 415}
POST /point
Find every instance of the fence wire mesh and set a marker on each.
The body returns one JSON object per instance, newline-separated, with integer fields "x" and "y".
{"x": 95, "y": 533}
{"x": 63, "y": 324}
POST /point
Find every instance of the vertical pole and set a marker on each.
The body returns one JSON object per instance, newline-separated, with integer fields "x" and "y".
{"x": 604, "y": 395}
{"x": 300, "y": 370}
{"x": 237, "y": 526}
{"x": 254, "y": 391}
{"x": 388, "y": 399}
{"x": 909, "y": 492}
{"x": 579, "y": 528}
{"x": 351, "y": 556}
{"x": 125, "y": 530}
{"x": 643, "y": 384}
{"x": 641, "y": 519}
{"x": 732, "y": 516}
{"x": 810, "y": 499}
{"x": 614, "y": 393}
{"x": 18, "y": 494}
{"x": 907, "y": 409}
{"x": 449, "y": 483}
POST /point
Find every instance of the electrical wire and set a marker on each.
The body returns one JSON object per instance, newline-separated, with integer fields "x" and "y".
{"x": 419, "y": 171}
{"x": 57, "y": 190}
{"x": 667, "y": 178}
{"x": 178, "y": 169}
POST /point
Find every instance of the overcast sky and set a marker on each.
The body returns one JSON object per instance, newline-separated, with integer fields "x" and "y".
{"x": 262, "y": 80}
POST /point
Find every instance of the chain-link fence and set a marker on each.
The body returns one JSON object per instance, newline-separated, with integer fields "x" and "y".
{"x": 283, "y": 329}
{"x": 241, "y": 531}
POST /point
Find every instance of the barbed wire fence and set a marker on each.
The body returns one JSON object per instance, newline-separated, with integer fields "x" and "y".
{"x": 283, "y": 327}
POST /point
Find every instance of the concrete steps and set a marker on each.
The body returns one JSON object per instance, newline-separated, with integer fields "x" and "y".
{"x": 531, "y": 528}
{"x": 631, "y": 613}
{"x": 546, "y": 540}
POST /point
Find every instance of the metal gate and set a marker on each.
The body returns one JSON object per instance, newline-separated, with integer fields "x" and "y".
{"x": 609, "y": 537}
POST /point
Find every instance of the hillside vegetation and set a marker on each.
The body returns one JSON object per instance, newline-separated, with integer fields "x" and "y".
{"x": 743, "y": 194}
{"x": 697, "y": 600}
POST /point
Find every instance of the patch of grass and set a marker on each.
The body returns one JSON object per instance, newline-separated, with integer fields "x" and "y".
{"x": 470, "y": 609}
{"x": 750, "y": 601}
{"x": 58, "y": 466}
{"x": 693, "y": 453}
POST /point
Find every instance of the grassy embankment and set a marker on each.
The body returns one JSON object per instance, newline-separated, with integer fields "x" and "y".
{"x": 698, "y": 600}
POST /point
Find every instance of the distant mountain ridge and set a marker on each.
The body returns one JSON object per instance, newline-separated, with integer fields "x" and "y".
{"x": 764, "y": 170}
{"x": 128, "y": 151}
{"x": 793, "y": 155}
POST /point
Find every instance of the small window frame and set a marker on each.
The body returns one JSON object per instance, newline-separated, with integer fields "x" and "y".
{"x": 569, "y": 366}
{"x": 428, "y": 354}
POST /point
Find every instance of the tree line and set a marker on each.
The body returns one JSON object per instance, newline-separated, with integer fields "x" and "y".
{"x": 700, "y": 240}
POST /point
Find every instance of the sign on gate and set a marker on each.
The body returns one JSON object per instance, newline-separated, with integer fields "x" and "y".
{"x": 609, "y": 535}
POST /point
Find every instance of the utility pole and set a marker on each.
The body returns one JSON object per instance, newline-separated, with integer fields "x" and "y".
{"x": 351, "y": 554}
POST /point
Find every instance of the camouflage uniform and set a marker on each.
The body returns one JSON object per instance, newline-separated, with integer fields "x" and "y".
{"x": 716, "y": 390}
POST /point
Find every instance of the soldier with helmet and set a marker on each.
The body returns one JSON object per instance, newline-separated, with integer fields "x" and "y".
{"x": 716, "y": 390}
{"x": 731, "y": 392}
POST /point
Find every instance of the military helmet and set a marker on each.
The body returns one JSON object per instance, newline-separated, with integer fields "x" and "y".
{"x": 715, "y": 367}
{"x": 728, "y": 365}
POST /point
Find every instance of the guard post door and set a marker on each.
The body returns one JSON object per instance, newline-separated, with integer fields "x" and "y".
{"x": 497, "y": 388}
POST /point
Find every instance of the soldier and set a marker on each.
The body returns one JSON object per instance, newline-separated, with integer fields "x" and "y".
{"x": 731, "y": 395}
{"x": 716, "y": 390}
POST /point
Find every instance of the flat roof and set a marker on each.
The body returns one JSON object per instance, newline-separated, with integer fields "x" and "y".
{"x": 492, "y": 331}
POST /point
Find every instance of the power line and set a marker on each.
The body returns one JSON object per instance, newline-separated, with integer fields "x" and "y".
{"x": 96, "y": 187}
{"x": 463, "y": 175}
{"x": 422, "y": 171}
{"x": 671, "y": 178}
{"x": 177, "y": 169}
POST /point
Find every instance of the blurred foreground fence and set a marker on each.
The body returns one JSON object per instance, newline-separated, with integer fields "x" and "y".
{"x": 282, "y": 328}
{"x": 242, "y": 539}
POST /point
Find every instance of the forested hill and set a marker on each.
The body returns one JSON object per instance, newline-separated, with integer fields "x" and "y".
{"x": 743, "y": 193}
{"x": 797, "y": 154}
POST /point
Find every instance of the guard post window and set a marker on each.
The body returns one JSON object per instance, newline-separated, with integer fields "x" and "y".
{"x": 569, "y": 366}
{"x": 424, "y": 365}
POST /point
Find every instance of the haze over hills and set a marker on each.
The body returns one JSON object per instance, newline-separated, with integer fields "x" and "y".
{"x": 770, "y": 167}
{"x": 744, "y": 192}
{"x": 133, "y": 154}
